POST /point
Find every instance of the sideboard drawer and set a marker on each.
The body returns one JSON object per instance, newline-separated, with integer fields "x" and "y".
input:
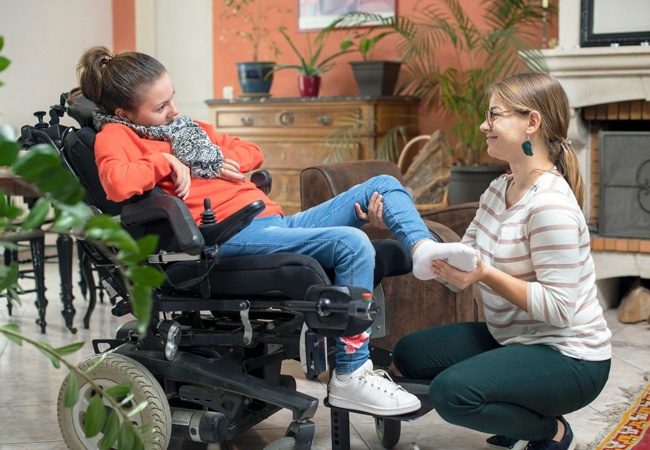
{"x": 292, "y": 133}
{"x": 295, "y": 117}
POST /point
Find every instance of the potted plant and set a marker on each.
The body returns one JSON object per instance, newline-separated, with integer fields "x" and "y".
{"x": 373, "y": 77}
{"x": 255, "y": 76}
{"x": 311, "y": 65}
{"x": 482, "y": 55}
{"x": 455, "y": 82}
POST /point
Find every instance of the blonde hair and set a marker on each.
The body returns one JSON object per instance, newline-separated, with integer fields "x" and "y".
{"x": 543, "y": 93}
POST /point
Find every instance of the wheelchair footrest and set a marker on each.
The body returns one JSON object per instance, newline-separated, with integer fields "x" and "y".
{"x": 419, "y": 388}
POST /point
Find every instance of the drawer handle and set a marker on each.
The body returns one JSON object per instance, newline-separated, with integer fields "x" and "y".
{"x": 286, "y": 118}
{"x": 247, "y": 121}
{"x": 325, "y": 120}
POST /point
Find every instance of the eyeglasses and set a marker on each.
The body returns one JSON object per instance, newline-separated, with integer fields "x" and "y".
{"x": 490, "y": 115}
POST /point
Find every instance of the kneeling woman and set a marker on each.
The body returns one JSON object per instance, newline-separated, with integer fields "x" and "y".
{"x": 544, "y": 350}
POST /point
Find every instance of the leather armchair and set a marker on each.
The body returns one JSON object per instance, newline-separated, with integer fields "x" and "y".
{"x": 412, "y": 304}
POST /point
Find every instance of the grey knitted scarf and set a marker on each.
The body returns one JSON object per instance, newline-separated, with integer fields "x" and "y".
{"x": 190, "y": 144}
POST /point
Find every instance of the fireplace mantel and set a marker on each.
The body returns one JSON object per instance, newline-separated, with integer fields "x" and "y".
{"x": 599, "y": 75}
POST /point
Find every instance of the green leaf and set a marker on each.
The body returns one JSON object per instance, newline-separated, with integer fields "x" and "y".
{"x": 65, "y": 222}
{"x": 111, "y": 432}
{"x": 43, "y": 349}
{"x": 10, "y": 275}
{"x": 147, "y": 245}
{"x": 71, "y": 391}
{"x": 61, "y": 185}
{"x": 13, "y": 328}
{"x": 142, "y": 307}
{"x": 127, "y": 437}
{"x": 119, "y": 390}
{"x": 4, "y": 63}
{"x": 37, "y": 214}
{"x": 146, "y": 276}
{"x": 39, "y": 161}
{"x": 70, "y": 348}
{"x": 8, "y": 152}
{"x": 95, "y": 417}
{"x": 101, "y": 222}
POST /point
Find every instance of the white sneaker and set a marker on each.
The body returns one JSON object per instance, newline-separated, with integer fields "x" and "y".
{"x": 371, "y": 391}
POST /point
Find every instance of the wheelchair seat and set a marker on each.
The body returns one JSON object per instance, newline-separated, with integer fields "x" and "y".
{"x": 210, "y": 363}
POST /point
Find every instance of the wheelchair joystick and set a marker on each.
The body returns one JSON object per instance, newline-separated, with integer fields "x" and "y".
{"x": 207, "y": 216}
{"x": 41, "y": 123}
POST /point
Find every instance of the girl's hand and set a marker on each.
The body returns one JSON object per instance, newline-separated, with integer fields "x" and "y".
{"x": 457, "y": 277}
{"x": 180, "y": 175}
{"x": 375, "y": 213}
{"x": 231, "y": 171}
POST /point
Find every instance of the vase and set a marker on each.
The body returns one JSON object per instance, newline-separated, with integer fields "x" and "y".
{"x": 376, "y": 78}
{"x": 255, "y": 77}
{"x": 467, "y": 183}
{"x": 308, "y": 85}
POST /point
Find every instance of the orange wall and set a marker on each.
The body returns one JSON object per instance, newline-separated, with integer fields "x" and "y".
{"x": 229, "y": 48}
{"x": 123, "y": 25}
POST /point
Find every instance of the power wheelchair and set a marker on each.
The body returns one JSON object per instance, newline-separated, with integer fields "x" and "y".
{"x": 210, "y": 364}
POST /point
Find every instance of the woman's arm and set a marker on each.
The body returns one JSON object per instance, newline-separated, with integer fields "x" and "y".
{"x": 246, "y": 155}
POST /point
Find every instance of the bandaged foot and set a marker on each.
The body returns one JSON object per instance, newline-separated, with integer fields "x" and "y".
{"x": 460, "y": 256}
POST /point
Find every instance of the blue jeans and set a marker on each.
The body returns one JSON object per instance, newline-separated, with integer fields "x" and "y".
{"x": 330, "y": 233}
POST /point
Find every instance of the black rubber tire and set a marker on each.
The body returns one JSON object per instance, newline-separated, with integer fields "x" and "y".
{"x": 388, "y": 431}
{"x": 113, "y": 370}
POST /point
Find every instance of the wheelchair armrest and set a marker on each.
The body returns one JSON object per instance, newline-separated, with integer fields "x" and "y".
{"x": 171, "y": 210}
{"x": 216, "y": 233}
{"x": 262, "y": 179}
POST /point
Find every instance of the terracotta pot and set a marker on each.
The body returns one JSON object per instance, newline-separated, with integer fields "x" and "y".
{"x": 309, "y": 85}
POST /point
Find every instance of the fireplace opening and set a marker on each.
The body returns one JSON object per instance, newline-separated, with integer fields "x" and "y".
{"x": 624, "y": 187}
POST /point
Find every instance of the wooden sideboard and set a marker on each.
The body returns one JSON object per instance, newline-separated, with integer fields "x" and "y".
{"x": 292, "y": 131}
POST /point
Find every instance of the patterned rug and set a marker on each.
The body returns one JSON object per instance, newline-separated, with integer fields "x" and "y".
{"x": 632, "y": 430}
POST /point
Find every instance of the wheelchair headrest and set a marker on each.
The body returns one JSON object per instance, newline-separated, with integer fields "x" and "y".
{"x": 80, "y": 109}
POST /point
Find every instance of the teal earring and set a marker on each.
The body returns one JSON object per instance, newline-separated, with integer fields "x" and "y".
{"x": 527, "y": 146}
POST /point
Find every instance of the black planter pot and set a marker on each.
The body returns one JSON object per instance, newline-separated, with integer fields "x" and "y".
{"x": 255, "y": 77}
{"x": 467, "y": 183}
{"x": 375, "y": 78}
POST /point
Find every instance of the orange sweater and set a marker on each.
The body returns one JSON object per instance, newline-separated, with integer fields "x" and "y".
{"x": 130, "y": 165}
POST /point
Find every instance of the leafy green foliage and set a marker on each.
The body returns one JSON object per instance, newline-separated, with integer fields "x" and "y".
{"x": 311, "y": 63}
{"x": 368, "y": 29}
{"x": 481, "y": 56}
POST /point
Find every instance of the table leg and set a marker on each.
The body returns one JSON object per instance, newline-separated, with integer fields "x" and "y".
{"x": 37, "y": 247}
{"x": 64, "y": 248}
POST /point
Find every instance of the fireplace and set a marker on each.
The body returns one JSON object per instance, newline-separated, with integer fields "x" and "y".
{"x": 609, "y": 91}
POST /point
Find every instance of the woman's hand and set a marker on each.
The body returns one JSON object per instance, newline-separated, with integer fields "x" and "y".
{"x": 180, "y": 175}
{"x": 375, "y": 213}
{"x": 457, "y": 277}
{"x": 231, "y": 171}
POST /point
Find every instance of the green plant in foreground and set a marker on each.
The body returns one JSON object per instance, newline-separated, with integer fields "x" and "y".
{"x": 61, "y": 192}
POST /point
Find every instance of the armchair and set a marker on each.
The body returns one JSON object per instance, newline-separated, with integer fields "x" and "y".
{"x": 415, "y": 304}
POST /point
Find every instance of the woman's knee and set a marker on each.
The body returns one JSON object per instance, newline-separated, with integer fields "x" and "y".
{"x": 453, "y": 398}
{"x": 384, "y": 183}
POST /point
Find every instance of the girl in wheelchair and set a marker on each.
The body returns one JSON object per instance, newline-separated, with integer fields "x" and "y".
{"x": 143, "y": 142}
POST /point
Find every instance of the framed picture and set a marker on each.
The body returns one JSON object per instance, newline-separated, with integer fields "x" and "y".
{"x": 316, "y": 14}
{"x": 623, "y": 22}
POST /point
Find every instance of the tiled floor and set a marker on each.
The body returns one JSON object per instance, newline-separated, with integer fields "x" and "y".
{"x": 29, "y": 387}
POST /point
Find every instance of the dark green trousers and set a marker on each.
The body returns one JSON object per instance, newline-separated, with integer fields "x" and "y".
{"x": 515, "y": 390}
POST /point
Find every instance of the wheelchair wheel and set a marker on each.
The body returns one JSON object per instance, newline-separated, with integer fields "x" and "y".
{"x": 285, "y": 443}
{"x": 388, "y": 431}
{"x": 113, "y": 370}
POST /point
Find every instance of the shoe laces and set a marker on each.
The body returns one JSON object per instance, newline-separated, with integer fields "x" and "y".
{"x": 381, "y": 380}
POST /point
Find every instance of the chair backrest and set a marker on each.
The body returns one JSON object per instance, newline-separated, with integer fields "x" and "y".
{"x": 78, "y": 154}
{"x": 320, "y": 183}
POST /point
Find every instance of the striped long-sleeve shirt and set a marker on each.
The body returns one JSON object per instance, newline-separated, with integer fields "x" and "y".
{"x": 544, "y": 240}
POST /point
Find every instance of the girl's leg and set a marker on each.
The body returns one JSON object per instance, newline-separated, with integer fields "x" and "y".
{"x": 516, "y": 391}
{"x": 344, "y": 249}
{"x": 400, "y": 216}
